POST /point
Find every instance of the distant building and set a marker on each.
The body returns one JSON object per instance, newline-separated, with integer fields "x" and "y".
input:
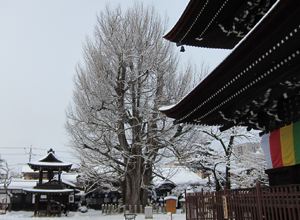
{"x": 175, "y": 176}
{"x": 246, "y": 148}
{"x": 20, "y": 200}
{"x": 182, "y": 162}
{"x": 29, "y": 174}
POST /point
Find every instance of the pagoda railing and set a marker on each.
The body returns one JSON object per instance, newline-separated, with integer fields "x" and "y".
{"x": 50, "y": 185}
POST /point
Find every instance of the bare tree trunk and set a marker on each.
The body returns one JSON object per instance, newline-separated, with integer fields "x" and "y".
{"x": 10, "y": 204}
{"x": 228, "y": 174}
{"x": 135, "y": 190}
{"x": 10, "y": 199}
{"x": 228, "y": 165}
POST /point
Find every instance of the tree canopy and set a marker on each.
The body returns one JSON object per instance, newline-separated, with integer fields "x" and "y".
{"x": 115, "y": 127}
{"x": 218, "y": 158}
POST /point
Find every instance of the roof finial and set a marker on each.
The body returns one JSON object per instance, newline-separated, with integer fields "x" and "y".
{"x": 182, "y": 49}
{"x": 51, "y": 151}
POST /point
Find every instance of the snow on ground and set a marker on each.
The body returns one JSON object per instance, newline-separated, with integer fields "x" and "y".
{"x": 91, "y": 215}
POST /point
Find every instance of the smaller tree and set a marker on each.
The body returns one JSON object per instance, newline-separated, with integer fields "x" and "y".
{"x": 96, "y": 177}
{"x": 252, "y": 169}
{"x": 5, "y": 180}
{"x": 215, "y": 157}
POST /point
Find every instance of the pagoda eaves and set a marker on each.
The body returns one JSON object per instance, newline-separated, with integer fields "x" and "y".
{"x": 258, "y": 84}
{"x": 217, "y": 24}
{"x": 50, "y": 162}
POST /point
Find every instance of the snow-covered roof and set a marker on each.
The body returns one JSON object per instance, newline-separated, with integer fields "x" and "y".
{"x": 69, "y": 183}
{"x": 47, "y": 164}
{"x": 166, "y": 107}
{"x": 29, "y": 184}
{"x": 27, "y": 169}
{"x": 170, "y": 197}
{"x": 50, "y": 161}
{"x": 46, "y": 191}
{"x": 238, "y": 96}
{"x": 69, "y": 177}
{"x": 21, "y": 184}
{"x": 80, "y": 193}
{"x": 178, "y": 175}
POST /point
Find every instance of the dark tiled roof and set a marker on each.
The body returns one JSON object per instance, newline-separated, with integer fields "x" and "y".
{"x": 50, "y": 162}
{"x": 258, "y": 84}
{"x": 216, "y": 23}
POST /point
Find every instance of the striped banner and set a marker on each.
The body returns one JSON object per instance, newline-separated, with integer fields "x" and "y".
{"x": 282, "y": 146}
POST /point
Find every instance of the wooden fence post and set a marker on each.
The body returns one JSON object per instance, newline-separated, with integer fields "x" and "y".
{"x": 225, "y": 204}
{"x": 202, "y": 205}
{"x": 188, "y": 206}
{"x": 258, "y": 197}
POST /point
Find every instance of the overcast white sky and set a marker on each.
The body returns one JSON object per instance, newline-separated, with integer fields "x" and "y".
{"x": 40, "y": 45}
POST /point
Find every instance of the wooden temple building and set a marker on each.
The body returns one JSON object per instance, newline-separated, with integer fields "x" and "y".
{"x": 53, "y": 190}
{"x": 258, "y": 84}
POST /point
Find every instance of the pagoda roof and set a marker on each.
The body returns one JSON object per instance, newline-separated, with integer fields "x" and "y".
{"x": 50, "y": 162}
{"x": 49, "y": 191}
{"x": 257, "y": 85}
{"x": 217, "y": 24}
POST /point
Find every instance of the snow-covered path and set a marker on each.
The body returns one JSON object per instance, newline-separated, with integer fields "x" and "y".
{"x": 90, "y": 215}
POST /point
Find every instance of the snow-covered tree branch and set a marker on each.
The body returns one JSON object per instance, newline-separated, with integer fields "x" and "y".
{"x": 216, "y": 157}
{"x": 114, "y": 123}
{"x": 5, "y": 180}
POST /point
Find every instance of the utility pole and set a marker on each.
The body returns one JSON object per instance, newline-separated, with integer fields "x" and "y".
{"x": 30, "y": 152}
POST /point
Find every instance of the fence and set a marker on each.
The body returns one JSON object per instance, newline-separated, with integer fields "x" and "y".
{"x": 118, "y": 209}
{"x": 260, "y": 203}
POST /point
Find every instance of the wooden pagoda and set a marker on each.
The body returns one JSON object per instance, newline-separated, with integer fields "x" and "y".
{"x": 258, "y": 84}
{"x": 53, "y": 189}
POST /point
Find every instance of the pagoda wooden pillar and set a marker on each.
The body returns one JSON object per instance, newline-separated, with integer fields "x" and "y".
{"x": 50, "y": 175}
{"x": 59, "y": 207}
{"x": 36, "y": 203}
{"x": 41, "y": 177}
{"x": 59, "y": 175}
{"x": 48, "y": 205}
